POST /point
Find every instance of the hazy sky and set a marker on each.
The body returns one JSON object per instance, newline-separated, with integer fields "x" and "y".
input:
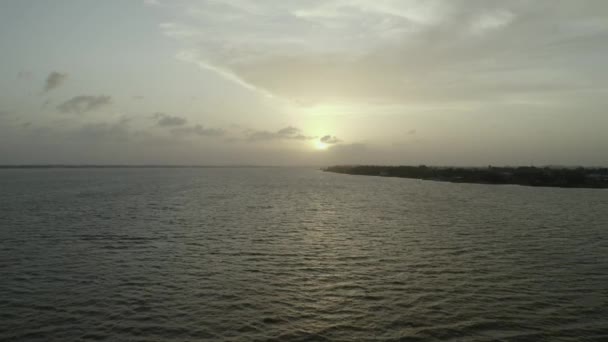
{"x": 288, "y": 82}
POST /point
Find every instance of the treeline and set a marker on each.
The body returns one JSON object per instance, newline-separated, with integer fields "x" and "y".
{"x": 523, "y": 175}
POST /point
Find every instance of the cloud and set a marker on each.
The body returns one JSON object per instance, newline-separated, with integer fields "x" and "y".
{"x": 54, "y": 80}
{"x": 328, "y": 139}
{"x": 84, "y": 103}
{"x": 287, "y": 133}
{"x": 400, "y": 52}
{"x": 165, "y": 120}
{"x": 290, "y": 130}
{"x": 199, "y": 130}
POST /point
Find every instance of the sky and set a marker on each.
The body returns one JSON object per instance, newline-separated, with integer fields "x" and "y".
{"x": 285, "y": 82}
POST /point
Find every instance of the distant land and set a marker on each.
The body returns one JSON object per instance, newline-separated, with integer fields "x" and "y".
{"x": 578, "y": 177}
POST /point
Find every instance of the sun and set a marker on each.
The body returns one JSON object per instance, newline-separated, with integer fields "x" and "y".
{"x": 319, "y": 145}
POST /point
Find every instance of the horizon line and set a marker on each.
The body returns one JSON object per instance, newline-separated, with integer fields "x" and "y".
{"x": 201, "y": 166}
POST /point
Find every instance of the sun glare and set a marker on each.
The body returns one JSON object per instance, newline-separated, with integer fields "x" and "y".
{"x": 319, "y": 145}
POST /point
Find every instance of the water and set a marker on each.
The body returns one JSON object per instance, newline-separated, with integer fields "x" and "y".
{"x": 296, "y": 255}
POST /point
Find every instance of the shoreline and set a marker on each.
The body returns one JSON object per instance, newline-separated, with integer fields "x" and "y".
{"x": 571, "y": 178}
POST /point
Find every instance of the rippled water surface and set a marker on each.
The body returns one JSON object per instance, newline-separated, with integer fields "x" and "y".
{"x": 296, "y": 255}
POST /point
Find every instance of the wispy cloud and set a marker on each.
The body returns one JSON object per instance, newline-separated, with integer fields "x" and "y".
{"x": 165, "y": 120}
{"x": 399, "y": 52}
{"x": 330, "y": 140}
{"x": 84, "y": 103}
{"x": 54, "y": 80}
{"x": 287, "y": 133}
{"x": 198, "y": 130}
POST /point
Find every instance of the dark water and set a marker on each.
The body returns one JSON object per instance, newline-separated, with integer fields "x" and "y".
{"x": 296, "y": 255}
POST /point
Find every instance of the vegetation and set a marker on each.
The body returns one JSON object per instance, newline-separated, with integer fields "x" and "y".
{"x": 523, "y": 175}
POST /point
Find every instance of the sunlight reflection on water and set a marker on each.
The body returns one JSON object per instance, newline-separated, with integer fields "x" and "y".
{"x": 296, "y": 254}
